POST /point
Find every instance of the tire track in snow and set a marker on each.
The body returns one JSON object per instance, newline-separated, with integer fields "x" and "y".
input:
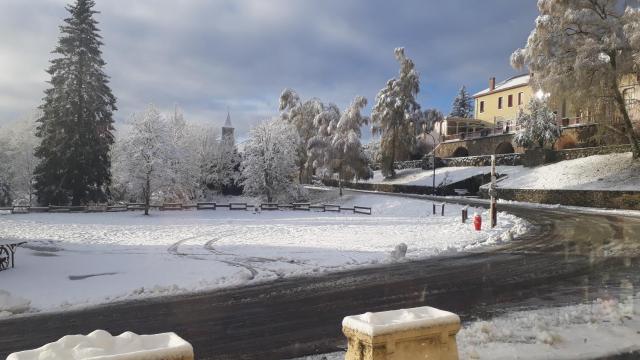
{"x": 174, "y": 250}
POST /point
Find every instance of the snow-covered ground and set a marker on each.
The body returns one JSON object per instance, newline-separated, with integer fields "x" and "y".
{"x": 74, "y": 260}
{"x": 585, "y": 331}
{"x": 444, "y": 175}
{"x": 598, "y": 172}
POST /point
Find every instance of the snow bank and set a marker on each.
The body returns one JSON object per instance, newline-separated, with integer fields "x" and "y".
{"x": 599, "y": 329}
{"x": 444, "y": 175}
{"x": 598, "y": 172}
{"x": 10, "y": 304}
{"x": 387, "y": 322}
{"x": 100, "y": 345}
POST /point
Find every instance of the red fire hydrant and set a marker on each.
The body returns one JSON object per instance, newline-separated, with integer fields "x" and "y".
{"x": 477, "y": 221}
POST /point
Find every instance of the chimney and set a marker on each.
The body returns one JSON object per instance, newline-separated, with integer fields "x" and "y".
{"x": 492, "y": 83}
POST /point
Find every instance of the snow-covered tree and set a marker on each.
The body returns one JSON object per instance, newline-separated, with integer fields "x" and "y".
{"x": 580, "y": 50}
{"x": 269, "y": 166}
{"x": 144, "y": 156}
{"x": 320, "y": 152}
{"x": 302, "y": 116}
{"x": 17, "y": 146}
{"x": 76, "y": 124}
{"x": 462, "y": 105}
{"x": 396, "y": 112}
{"x": 427, "y": 133}
{"x": 349, "y": 160}
{"x": 538, "y": 125}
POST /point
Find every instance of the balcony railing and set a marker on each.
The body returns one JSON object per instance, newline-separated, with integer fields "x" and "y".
{"x": 502, "y": 130}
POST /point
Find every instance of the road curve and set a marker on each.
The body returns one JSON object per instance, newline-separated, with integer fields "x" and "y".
{"x": 569, "y": 257}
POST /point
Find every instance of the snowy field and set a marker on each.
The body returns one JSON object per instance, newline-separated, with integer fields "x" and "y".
{"x": 74, "y": 260}
{"x": 585, "y": 331}
{"x": 444, "y": 175}
{"x": 598, "y": 172}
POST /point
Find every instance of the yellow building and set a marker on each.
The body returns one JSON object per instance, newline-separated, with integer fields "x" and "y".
{"x": 499, "y": 104}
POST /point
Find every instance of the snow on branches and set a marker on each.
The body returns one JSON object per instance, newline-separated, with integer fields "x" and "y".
{"x": 538, "y": 125}
{"x": 581, "y": 50}
{"x": 269, "y": 165}
{"x": 462, "y": 105}
{"x": 396, "y": 112}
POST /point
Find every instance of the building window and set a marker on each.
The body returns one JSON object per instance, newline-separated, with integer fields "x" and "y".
{"x": 500, "y": 102}
{"x": 510, "y": 101}
{"x": 519, "y": 98}
{"x": 481, "y": 106}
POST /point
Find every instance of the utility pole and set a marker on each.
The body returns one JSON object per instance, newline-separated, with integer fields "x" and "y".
{"x": 493, "y": 213}
{"x": 433, "y": 163}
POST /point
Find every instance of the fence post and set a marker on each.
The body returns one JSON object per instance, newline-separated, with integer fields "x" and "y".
{"x": 465, "y": 214}
{"x": 434, "y": 208}
{"x": 442, "y": 211}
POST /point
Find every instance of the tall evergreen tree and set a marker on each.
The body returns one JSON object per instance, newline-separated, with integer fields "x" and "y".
{"x": 462, "y": 104}
{"x": 76, "y": 124}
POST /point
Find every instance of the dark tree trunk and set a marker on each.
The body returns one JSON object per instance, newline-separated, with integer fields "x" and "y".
{"x": 147, "y": 195}
{"x": 628, "y": 126}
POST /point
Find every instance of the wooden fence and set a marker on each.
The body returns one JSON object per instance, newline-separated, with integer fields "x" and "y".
{"x": 179, "y": 206}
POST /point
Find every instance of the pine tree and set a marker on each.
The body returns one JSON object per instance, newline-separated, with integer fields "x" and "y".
{"x": 76, "y": 124}
{"x": 462, "y": 104}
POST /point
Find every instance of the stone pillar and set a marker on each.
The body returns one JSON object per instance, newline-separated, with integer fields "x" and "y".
{"x": 417, "y": 333}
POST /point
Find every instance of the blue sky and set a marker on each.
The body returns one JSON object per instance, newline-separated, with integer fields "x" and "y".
{"x": 206, "y": 56}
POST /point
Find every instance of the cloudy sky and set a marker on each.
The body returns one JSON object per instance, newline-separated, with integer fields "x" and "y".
{"x": 206, "y": 56}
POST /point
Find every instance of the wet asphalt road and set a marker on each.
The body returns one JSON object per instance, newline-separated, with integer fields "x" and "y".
{"x": 569, "y": 257}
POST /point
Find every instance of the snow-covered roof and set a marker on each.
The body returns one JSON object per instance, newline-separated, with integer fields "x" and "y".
{"x": 516, "y": 81}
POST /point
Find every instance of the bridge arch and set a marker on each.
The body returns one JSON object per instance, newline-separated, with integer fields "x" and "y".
{"x": 461, "y": 151}
{"x": 504, "y": 148}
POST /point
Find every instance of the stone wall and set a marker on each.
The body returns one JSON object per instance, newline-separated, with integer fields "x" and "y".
{"x": 472, "y": 185}
{"x": 483, "y": 145}
{"x": 570, "y": 154}
{"x": 629, "y": 200}
{"x": 484, "y": 160}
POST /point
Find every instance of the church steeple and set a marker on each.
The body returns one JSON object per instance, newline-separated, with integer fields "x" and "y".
{"x": 227, "y": 123}
{"x": 227, "y": 130}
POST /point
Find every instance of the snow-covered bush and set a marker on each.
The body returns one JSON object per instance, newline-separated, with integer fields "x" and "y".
{"x": 269, "y": 166}
{"x": 538, "y": 125}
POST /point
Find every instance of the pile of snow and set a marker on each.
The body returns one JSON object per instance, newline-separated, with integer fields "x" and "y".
{"x": 598, "y": 172}
{"x": 77, "y": 260}
{"x": 100, "y": 345}
{"x": 386, "y": 322}
{"x": 10, "y": 304}
{"x": 599, "y": 329}
{"x": 444, "y": 175}
{"x": 594, "y": 330}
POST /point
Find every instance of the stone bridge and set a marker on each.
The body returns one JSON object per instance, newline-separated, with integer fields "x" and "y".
{"x": 494, "y": 144}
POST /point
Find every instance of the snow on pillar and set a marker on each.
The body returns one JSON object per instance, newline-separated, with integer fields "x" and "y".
{"x": 417, "y": 333}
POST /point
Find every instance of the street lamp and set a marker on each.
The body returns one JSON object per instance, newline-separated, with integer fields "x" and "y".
{"x": 433, "y": 163}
